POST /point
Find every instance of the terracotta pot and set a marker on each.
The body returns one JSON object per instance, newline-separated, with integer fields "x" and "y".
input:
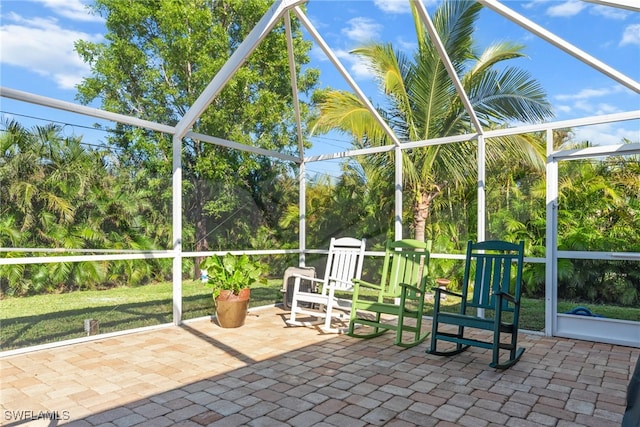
{"x": 231, "y": 309}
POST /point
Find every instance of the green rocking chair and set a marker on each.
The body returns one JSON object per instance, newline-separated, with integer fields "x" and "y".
{"x": 489, "y": 300}
{"x": 400, "y": 295}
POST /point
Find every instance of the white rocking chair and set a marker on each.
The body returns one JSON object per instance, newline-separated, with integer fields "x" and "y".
{"x": 344, "y": 263}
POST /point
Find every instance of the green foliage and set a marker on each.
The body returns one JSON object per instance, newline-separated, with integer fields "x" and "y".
{"x": 157, "y": 58}
{"x": 59, "y": 194}
{"x": 421, "y": 103}
{"x": 599, "y": 202}
{"x": 233, "y": 272}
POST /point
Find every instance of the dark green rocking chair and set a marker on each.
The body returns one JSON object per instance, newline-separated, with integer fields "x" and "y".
{"x": 490, "y": 300}
{"x": 399, "y": 294}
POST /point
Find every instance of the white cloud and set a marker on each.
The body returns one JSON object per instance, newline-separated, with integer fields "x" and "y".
{"x": 631, "y": 35}
{"x": 41, "y": 45}
{"x": 71, "y": 9}
{"x": 566, "y": 9}
{"x": 393, "y": 6}
{"x": 606, "y": 134}
{"x": 318, "y": 53}
{"x": 595, "y": 109}
{"x": 609, "y": 12}
{"x": 604, "y": 108}
{"x": 357, "y": 65}
{"x": 362, "y": 29}
{"x": 400, "y": 6}
{"x": 532, "y": 4}
{"x": 589, "y": 93}
{"x": 406, "y": 45}
{"x": 585, "y": 101}
{"x": 582, "y": 107}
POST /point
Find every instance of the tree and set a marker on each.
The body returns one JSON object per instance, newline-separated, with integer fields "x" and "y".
{"x": 598, "y": 207}
{"x": 157, "y": 58}
{"x": 421, "y": 103}
{"x": 57, "y": 193}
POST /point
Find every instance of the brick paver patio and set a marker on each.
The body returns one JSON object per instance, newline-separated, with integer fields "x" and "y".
{"x": 268, "y": 374}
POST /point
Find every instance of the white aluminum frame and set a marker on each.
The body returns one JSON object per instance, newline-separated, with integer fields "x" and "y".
{"x": 612, "y": 331}
{"x": 281, "y": 9}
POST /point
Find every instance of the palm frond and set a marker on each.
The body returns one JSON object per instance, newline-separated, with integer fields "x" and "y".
{"x": 455, "y": 23}
{"x": 494, "y": 54}
{"x": 344, "y": 111}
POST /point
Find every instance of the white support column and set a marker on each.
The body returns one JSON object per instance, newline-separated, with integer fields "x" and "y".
{"x": 482, "y": 202}
{"x": 398, "y": 193}
{"x": 482, "y": 171}
{"x": 302, "y": 170}
{"x": 176, "y": 209}
{"x": 551, "y": 250}
{"x": 302, "y": 208}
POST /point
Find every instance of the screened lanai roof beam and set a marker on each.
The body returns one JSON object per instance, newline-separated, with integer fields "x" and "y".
{"x": 241, "y": 147}
{"x": 294, "y": 83}
{"x": 383, "y": 149}
{"x": 31, "y": 98}
{"x": 424, "y": 16}
{"x": 235, "y": 61}
{"x": 336, "y": 62}
{"x": 495, "y": 133}
{"x": 632, "y": 5}
{"x": 567, "y": 47}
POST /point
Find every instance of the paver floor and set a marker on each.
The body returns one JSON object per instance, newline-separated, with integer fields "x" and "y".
{"x": 268, "y": 374}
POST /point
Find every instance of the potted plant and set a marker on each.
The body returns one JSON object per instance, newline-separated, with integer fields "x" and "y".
{"x": 230, "y": 277}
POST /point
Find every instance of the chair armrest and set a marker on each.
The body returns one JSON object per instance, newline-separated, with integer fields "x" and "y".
{"x": 406, "y": 286}
{"x": 507, "y": 296}
{"x": 299, "y": 277}
{"x": 438, "y": 291}
{"x": 333, "y": 279}
{"x": 359, "y": 282}
{"x": 311, "y": 278}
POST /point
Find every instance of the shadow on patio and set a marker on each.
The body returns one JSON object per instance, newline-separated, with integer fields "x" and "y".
{"x": 268, "y": 374}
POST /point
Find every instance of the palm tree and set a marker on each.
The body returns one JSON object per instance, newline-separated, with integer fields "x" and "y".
{"x": 58, "y": 194}
{"x": 421, "y": 103}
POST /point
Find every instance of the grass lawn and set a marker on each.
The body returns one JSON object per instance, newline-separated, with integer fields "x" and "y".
{"x": 40, "y": 319}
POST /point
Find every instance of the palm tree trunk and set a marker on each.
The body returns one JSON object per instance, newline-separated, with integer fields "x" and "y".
{"x": 421, "y": 210}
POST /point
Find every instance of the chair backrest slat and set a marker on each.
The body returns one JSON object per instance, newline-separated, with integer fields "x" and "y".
{"x": 488, "y": 269}
{"x": 406, "y": 261}
{"x": 344, "y": 263}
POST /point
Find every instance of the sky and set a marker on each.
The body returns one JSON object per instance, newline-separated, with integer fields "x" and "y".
{"x": 37, "y": 55}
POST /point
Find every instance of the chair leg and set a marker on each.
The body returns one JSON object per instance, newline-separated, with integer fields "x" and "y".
{"x": 355, "y": 321}
{"x": 434, "y": 342}
{"x": 514, "y": 353}
{"x": 327, "y": 319}
{"x": 514, "y": 357}
{"x": 294, "y": 311}
{"x": 294, "y": 307}
{"x": 378, "y": 320}
{"x": 400, "y": 329}
{"x": 495, "y": 361}
{"x": 418, "y": 336}
{"x": 434, "y": 334}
